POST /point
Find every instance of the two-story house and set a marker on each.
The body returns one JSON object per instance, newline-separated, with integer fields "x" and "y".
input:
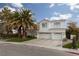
{"x": 52, "y": 29}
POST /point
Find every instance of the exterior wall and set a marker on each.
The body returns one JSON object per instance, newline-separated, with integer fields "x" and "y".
{"x": 52, "y": 30}
{"x": 62, "y": 24}
{"x": 57, "y": 30}
{"x": 50, "y": 24}
{"x": 43, "y": 29}
{"x": 63, "y": 35}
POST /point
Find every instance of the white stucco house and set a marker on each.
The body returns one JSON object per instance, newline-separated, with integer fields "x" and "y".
{"x": 52, "y": 29}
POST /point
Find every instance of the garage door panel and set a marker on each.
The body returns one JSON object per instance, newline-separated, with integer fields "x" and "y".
{"x": 45, "y": 36}
{"x": 57, "y": 36}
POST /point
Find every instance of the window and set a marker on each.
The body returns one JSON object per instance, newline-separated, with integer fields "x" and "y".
{"x": 57, "y": 25}
{"x": 44, "y": 25}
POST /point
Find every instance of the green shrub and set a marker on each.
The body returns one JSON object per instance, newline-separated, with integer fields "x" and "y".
{"x": 68, "y": 45}
{"x": 15, "y": 38}
{"x": 5, "y": 36}
{"x": 32, "y": 37}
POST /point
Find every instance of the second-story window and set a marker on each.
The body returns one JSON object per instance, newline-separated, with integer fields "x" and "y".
{"x": 57, "y": 25}
{"x": 44, "y": 25}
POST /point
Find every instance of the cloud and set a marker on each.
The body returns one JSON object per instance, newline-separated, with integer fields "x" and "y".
{"x": 54, "y": 18}
{"x": 56, "y": 13}
{"x": 61, "y": 16}
{"x": 60, "y": 4}
{"x": 73, "y": 6}
{"x": 77, "y": 16}
{"x": 51, "y": 5}
{"x": 12, "y": 9}
{"x": 17, "y": 5}
{"x": 1, "y": 9}
{"x": 65, "y": 16}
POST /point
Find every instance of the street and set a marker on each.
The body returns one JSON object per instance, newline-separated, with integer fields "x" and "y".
{"x": 7, "y": 49}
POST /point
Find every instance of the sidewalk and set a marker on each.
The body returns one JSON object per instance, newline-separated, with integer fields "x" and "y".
{"x": 73, "y": 51}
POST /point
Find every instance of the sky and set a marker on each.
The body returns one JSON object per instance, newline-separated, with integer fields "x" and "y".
{"x": 51, "y": 11}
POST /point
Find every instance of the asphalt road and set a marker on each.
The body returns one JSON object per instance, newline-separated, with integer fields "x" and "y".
{"x": 25, "y": 50}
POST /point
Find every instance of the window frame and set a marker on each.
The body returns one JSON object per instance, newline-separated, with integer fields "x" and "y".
{"x": 44, "y": 25}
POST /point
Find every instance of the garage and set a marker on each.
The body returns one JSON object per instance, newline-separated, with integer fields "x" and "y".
{"x": 45, "y": 35}
{"x": 53, "y": 36}
{"x": 57, "y": 36}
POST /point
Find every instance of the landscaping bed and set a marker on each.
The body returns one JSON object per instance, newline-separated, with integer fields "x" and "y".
{"x": 15, "y": 38}
{"x": 69, "y": 45}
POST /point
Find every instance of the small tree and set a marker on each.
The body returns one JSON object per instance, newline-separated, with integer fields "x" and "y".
{"x": 73, "y": 30}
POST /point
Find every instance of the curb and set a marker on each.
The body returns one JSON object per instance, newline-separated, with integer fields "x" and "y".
{"x": 73, "y": 52}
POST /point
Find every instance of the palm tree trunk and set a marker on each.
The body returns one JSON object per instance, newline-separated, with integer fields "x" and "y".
{"x": 24, "y": 36}
{"x": 21, "y": 32}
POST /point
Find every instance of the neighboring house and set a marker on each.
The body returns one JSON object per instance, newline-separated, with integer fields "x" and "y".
{"x": 32, "y": 33}
{"x": 52, "y": 29}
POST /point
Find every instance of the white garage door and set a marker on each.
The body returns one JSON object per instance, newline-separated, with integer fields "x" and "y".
{"x": 45, "y": 36}
{"x": 57, "y": 36}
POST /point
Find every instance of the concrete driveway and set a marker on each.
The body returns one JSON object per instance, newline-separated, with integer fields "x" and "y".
{"x": 44, "y": 42}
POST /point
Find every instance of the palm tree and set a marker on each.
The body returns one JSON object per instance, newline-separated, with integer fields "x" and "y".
{"x": 23, "y": 21}
{"x": 6, "y": 15}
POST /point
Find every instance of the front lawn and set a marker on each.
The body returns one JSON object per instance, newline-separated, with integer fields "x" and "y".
{"x": 18, "y": 39}
{"x": 15, "y": 38}
{"x": 69, "y": 45}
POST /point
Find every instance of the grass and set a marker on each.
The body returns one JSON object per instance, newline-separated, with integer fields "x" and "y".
{"x": 17, "y": 39}
{"x": 69, "y": 45}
